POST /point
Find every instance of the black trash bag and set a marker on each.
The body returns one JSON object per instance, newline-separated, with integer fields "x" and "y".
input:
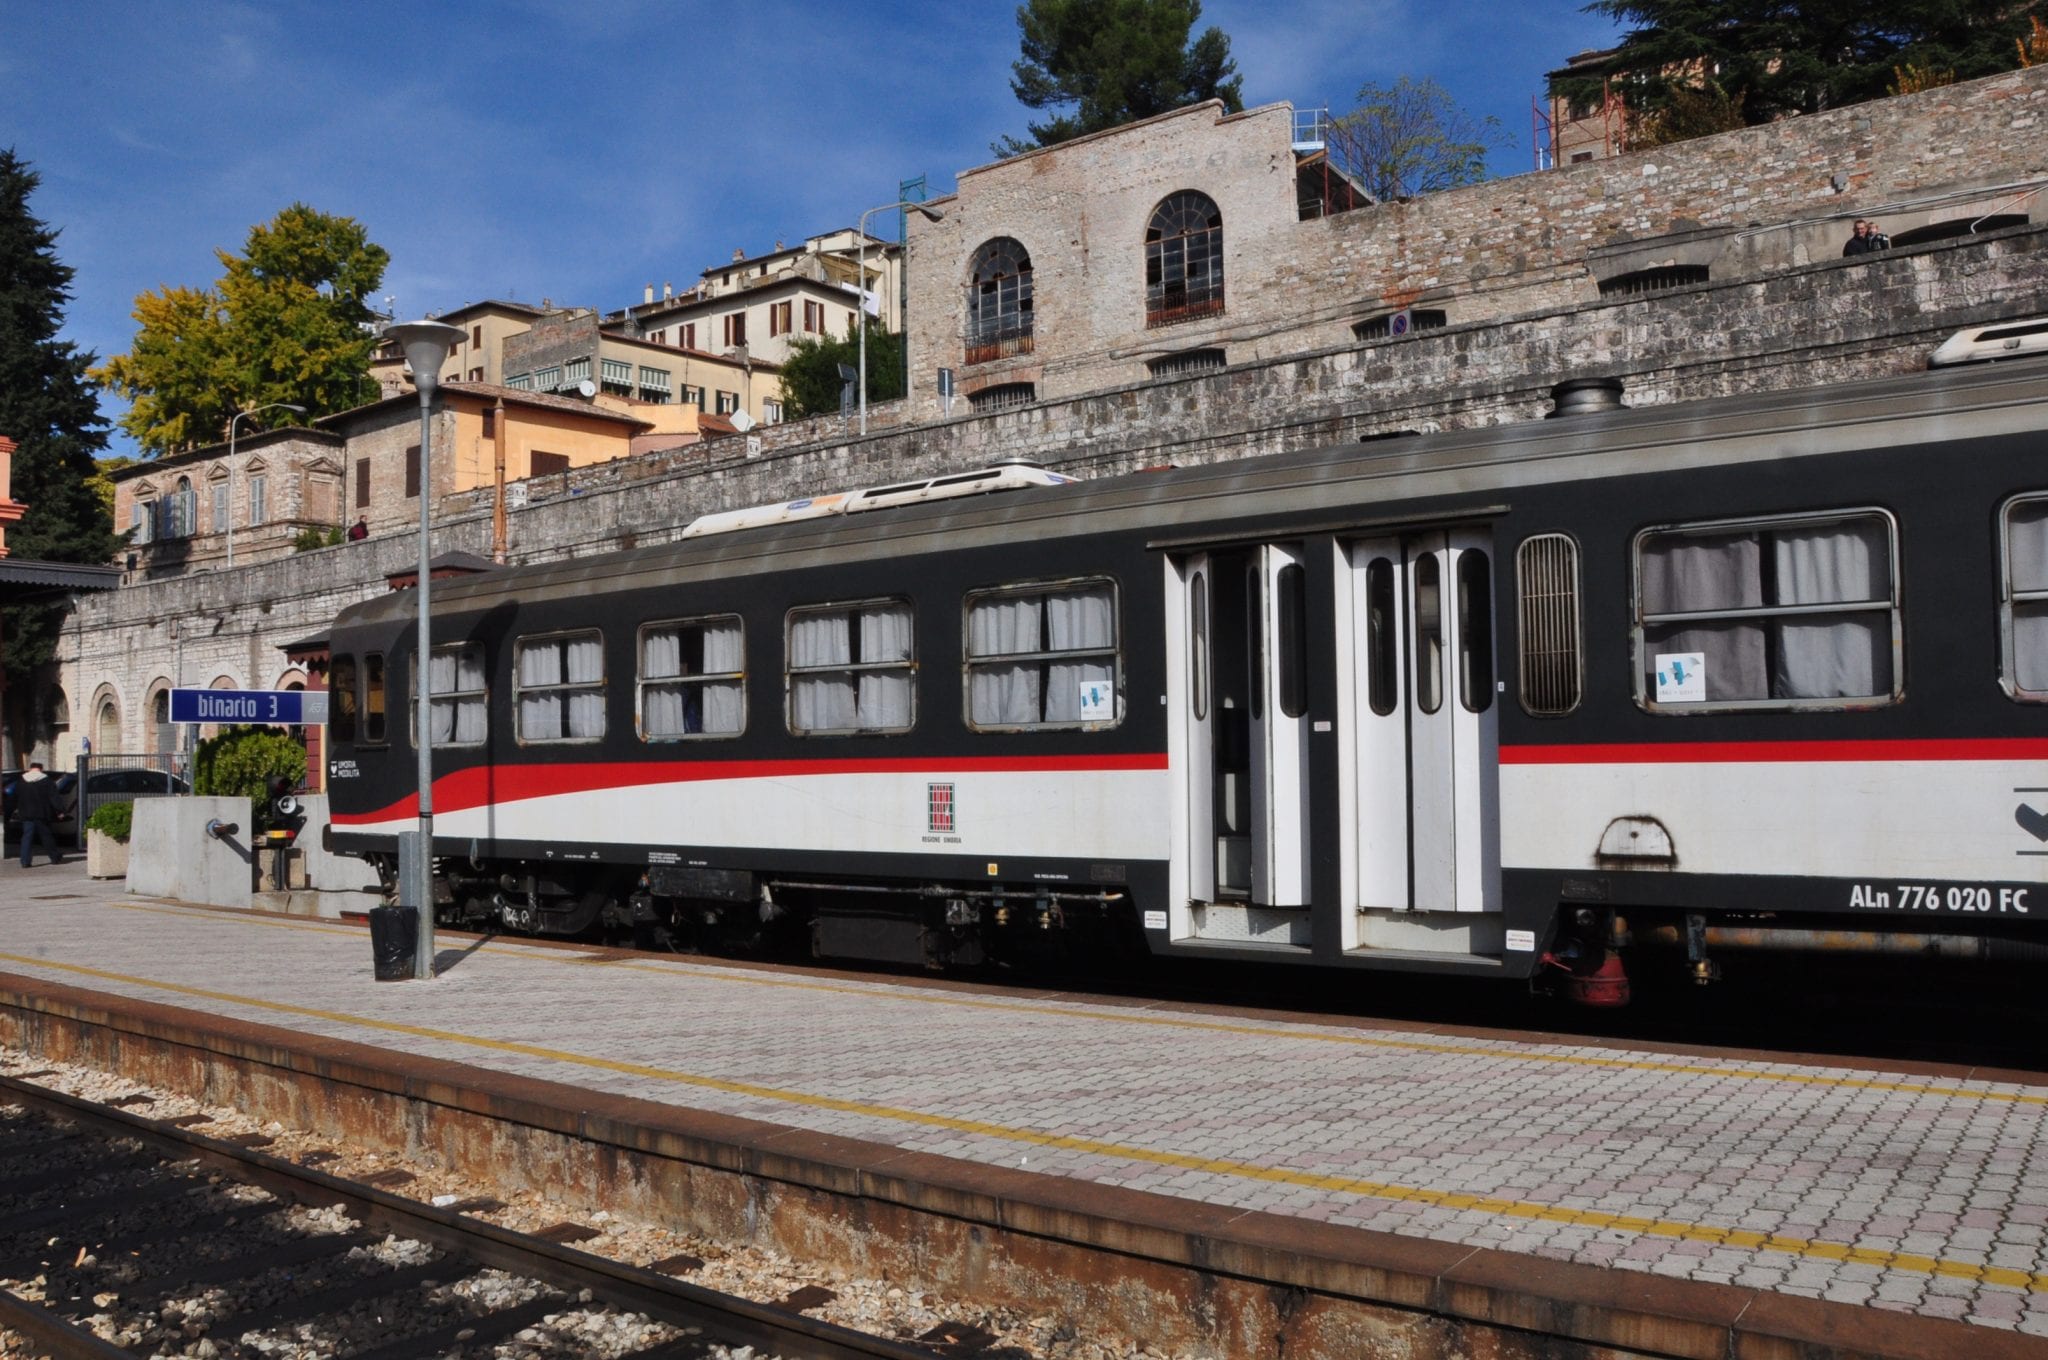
{"x": 394, "y": 938}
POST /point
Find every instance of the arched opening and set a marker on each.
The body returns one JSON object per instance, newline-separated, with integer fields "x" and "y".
{"x": 999, "y": 310}
{"x": 1958, "y": 226}
{"x": 1183, "y": 259}
{"x": 106, "y": 726}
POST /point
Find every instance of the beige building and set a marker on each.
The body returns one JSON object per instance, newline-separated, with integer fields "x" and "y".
{"x": 762, "y": 303}
{"x": 575, "y": 354}
{"x": 478, "y": 356}
{"x": 282, "y": 489}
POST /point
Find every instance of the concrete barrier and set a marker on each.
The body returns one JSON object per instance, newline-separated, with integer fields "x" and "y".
{"x": 171, "y": 853}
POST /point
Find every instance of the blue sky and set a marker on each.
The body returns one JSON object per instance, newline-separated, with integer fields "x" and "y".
{"x": 512, "y": 148}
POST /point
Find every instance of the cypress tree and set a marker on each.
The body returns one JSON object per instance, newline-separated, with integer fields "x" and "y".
{"x": 48, "y": 406}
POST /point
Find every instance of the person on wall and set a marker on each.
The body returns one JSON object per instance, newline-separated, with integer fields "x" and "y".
{"x": 1865, "y": 239}
{"x": 35, "y": 802}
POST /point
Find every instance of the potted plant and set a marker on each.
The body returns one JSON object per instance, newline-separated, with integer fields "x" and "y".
{"x": 106, "y": 839}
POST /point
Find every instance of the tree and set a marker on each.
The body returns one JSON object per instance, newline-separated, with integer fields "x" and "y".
{"x": 49, "y": 408}
{"x": 1115, "y": 61}
{"x": 285, "y": 322}
{"x": 810, "y": 375}
{"x": 1409, "y": 138}
{"x": 1771, "y": 58}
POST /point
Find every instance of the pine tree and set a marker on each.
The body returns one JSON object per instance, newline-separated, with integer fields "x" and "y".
{"x": 49, "y": 408}
{"x": 1771, "y": 58}
{"x": 1115, "y": 61}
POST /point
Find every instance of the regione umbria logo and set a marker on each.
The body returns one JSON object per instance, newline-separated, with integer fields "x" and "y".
{"x": 939, "y": 805}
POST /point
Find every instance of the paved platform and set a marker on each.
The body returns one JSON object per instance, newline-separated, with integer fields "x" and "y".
{"x": 1921, "y": 1191}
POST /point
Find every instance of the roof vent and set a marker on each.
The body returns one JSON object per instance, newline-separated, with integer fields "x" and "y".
{"x": 1585, "y": 397}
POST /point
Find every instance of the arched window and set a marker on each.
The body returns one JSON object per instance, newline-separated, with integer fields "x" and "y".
{"x": 1183, "y": 259}
{"x": 106, "y": 727}
{"x": 999, "y": 302}
{"x": 161, "y": 737}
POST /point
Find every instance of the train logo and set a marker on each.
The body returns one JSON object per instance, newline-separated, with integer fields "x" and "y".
{"x": 939, "y": 807}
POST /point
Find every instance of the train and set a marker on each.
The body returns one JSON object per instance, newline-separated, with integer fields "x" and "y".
{"x": 1547, "y": 702}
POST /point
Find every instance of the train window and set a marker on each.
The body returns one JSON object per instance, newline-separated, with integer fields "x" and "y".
{"x": 373, "y": 698}
{"x": 1290, "y": 608}
{"x": 457, "y": 707}
{"x": 341, "y": 699}
{"x": 558, "y": 687}
{"x": 1429, "y": 633}
{"x": 851, "y": 668}
{"x": 1382, "y": 644}
{"x": 1198, "y": 630}
{"x": 1475, "y": 631}
{"x": 1042, "y": 656}
{"x": 1551, "y": 646}
{"x": 1786, "y": 612}
{"x": 2025, "y": 606}
{"x": 692, "y": 679}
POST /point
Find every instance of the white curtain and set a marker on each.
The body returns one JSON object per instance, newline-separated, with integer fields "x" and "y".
{"x": 821, "y": 703}
{"x": 1081, "y": 622}
{"x": 999, "y": 694}
{"x": 1845, "y": 656}
{"x": 553, "y": 712}
{"x": 885, "y": 697}
{"x": 1723, "y": 571}
{"x": 661, "y": 654}
{"x": 885, "y": 634}
{"x": 2027, "y": 558}
{"x": 540, "y": 663}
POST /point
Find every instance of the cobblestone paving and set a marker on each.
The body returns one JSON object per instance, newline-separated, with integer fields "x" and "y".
{"x": 1926, "y": 1195}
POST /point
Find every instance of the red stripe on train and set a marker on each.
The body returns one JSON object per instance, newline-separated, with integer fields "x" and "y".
{"x": 1779, "y": 752}
{"x": 495, "y": 784}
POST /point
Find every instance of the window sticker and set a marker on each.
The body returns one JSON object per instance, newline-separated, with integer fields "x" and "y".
{"x": 1681, "y": 677}
{"x": 1098, "y": 701}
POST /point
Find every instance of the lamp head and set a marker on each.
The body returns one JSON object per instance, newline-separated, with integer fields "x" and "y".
{"x": 426, "y": 345}
{"x": 929, "y": 213}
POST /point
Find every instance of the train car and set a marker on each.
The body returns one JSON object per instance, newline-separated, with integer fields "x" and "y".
{"x": 1523, "y": 702}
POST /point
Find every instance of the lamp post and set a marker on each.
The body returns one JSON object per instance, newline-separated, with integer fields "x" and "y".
{"x": 930, "y": 214}
{"x": 426, "y": 345}
{"x": 235, "y": 420}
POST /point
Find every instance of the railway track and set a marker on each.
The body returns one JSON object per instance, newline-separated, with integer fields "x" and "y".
{"x": 138, "y": 1237}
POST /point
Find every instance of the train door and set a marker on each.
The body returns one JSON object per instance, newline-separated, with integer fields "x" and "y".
{"x": 1245, "y": 730}
{"x": 1423, "y": 719}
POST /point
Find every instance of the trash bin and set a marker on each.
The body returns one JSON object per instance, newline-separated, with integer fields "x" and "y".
{"x": 394, "y": 938}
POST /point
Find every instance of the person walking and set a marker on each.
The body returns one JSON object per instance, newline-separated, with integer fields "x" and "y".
{"x": 35, "y": 802}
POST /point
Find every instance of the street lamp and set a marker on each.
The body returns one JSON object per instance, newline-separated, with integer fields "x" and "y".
{"x": 426, "y": 345}
{"x": 931, "y": 214}
{"x": 232, "y": 423}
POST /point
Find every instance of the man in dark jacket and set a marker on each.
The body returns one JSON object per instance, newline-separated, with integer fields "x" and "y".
{"x": 35, "y": 802}
{"x": 1866, "y": 239}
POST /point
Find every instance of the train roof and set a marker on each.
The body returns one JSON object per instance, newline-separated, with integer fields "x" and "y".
{"x": 1472, "y": 471}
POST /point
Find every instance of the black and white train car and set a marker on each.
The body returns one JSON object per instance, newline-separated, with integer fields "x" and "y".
{"x": 1741, "y": 673}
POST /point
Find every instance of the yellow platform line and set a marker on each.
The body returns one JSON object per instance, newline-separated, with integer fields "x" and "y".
{"x": 1242, "y": 1029}
{"x": 1383, "y": 1190}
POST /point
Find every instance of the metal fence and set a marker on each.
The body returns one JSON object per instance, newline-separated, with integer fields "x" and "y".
{"x": 113, "y": 778}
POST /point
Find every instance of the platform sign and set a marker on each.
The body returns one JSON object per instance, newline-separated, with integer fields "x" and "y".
{"x": 284, "y": 707}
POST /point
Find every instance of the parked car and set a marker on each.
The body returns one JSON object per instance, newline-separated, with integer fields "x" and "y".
{"x": 101, "y": 786}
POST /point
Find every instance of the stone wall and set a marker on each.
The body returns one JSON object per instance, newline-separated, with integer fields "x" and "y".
{"x": 1768, "y": 198}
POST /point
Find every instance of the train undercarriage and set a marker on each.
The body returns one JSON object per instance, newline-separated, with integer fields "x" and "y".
{"x": 932, "y": 925}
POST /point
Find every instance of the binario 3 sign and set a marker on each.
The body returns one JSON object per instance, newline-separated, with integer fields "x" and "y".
{"x": 284, "y": 707}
